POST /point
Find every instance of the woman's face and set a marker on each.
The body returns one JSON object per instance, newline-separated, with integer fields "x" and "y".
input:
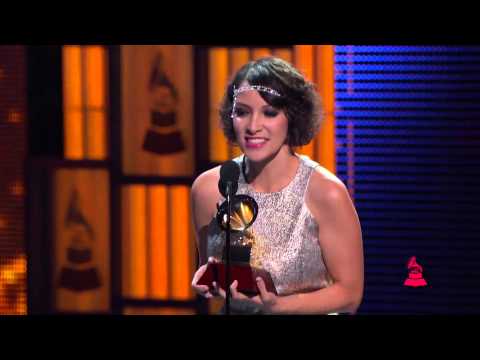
{"x": 260, "y": 129}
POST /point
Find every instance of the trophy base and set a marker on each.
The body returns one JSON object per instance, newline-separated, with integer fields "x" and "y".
{"x": 163, "y": 144}
{"x": 79, "y": 280}
{"x": 244, "y": 273}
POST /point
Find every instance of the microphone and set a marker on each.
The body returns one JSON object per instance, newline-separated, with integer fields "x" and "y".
{"x": 228, "y": 186}
{"x": 229, "y": 174}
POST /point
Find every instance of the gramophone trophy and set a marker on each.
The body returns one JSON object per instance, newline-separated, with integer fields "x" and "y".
{"x": 80, "y": 273}
{"x": 163, "y": 137}
{"x": 244, "y": 213}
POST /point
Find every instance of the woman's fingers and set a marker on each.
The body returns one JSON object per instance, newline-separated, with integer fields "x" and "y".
{"x": 202, "y": 290}
{"x": 198, "y": 274}
{"x": 233, "y": 289}
{"x": 235, "y": 293}
{"x": 261, "y": 288}
{"x": 218, "y": 290}
{"x": 213, "y": 260}
{"x": 256, "y": 299}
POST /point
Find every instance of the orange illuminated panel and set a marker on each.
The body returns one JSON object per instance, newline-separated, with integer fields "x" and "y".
{"x": 74, "y": 135}
{"x": 304, "y": 60}
{"x": 158, "y": 247}
{"x": 84, "y": 93}
{"x": 73, "y": 102}
{"x": 304, "y": 63}
{"x": 13, "y": 285}
{"x": 285, "y": 54}
{"x": 158, "y": 311}
{"x": 96, "y": 98}
{"x": 80, "y": 211}
{"x": 258, "y": 53}
{"x": 126, "y": 263}
{"x": 95, "y": 65}
{"x": 218, "y": 77}
{"x": 235, "y": 151}
{"x": 14, "y": 116}
{"x": 96, "y": 135}
{"x": 134, "y": 242}
{"x": 325, "y": 143}
{"x": 72, "y": 77}
{"x": 238, "y": 58}
{"x": 180, "y": 243}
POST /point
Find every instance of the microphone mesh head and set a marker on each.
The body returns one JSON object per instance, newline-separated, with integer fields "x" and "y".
{"x": 230, "y": 171}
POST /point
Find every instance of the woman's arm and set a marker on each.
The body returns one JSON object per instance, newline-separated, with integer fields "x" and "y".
{"x": 204, "y": 197}
{"x": 203, "y": 205}
{"x": 341, "y": 242}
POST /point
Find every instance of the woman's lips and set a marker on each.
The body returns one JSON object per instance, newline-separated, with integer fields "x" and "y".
{"x": 255, "y": 143}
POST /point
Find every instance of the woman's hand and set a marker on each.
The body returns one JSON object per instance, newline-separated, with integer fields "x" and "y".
{"x": 267, "y": 301}
{"x": 203, "y": 290}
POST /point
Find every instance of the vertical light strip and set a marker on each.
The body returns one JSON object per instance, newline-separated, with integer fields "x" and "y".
{"x": 137, "y": 241}
{"x": 125, "y": 243}
{"x": 285, "y": 54}
{"x": 72, "y": 102}
{"x": 84, "y": 93}
{"x": 192, "y": 245}
{"x": 238, "y": 58}
{"x": 218, "y": 75}
{"x": 258, "y": 53}
{"x": 180, "y": 243}
{"x": 304, "y": 62}
{"x": 83, "y": 64}
{"x": 325, "y": 142}
{"x": 158, "y": 251}
{"x": 96, "y": 99}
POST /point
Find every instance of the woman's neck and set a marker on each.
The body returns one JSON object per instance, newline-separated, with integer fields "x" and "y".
{"x": 274, "y": 173}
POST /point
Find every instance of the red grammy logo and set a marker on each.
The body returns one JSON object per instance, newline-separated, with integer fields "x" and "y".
{"x": 415, "y": 277}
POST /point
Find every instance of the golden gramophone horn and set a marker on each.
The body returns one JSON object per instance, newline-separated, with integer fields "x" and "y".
{"x": 244, "y": 213}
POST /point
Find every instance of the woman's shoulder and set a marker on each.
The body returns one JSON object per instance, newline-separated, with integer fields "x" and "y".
{"x": 321, "y": 179}
{"x": 205, "y": 196}
{"x": 207, "y": 182}
{"x": 325, "y": 188}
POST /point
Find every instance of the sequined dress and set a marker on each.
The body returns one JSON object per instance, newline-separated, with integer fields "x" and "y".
{"x": 286, "y": 235}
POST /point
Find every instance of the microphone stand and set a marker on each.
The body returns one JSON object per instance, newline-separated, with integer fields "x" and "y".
{"x": 227, "y": 250}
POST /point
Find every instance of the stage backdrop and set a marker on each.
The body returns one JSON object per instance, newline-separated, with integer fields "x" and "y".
{"x": 81, "y": 276}
{"x": 157, "y": 107}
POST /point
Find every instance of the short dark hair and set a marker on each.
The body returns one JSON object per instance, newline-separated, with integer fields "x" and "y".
{"x": 299, "y": 98}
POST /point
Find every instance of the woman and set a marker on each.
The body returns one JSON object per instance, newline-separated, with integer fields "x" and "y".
{"x": 307, "y": 230}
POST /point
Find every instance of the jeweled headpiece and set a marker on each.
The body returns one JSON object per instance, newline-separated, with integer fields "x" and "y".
{"x": 249, "y": 88}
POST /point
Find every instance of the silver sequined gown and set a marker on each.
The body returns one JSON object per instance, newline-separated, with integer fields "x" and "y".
{"x": 286, "y": 235}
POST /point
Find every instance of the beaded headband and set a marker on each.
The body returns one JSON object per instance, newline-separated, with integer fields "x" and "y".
{"x": 249, "y": 88}
{"x": 254, "y": 87}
